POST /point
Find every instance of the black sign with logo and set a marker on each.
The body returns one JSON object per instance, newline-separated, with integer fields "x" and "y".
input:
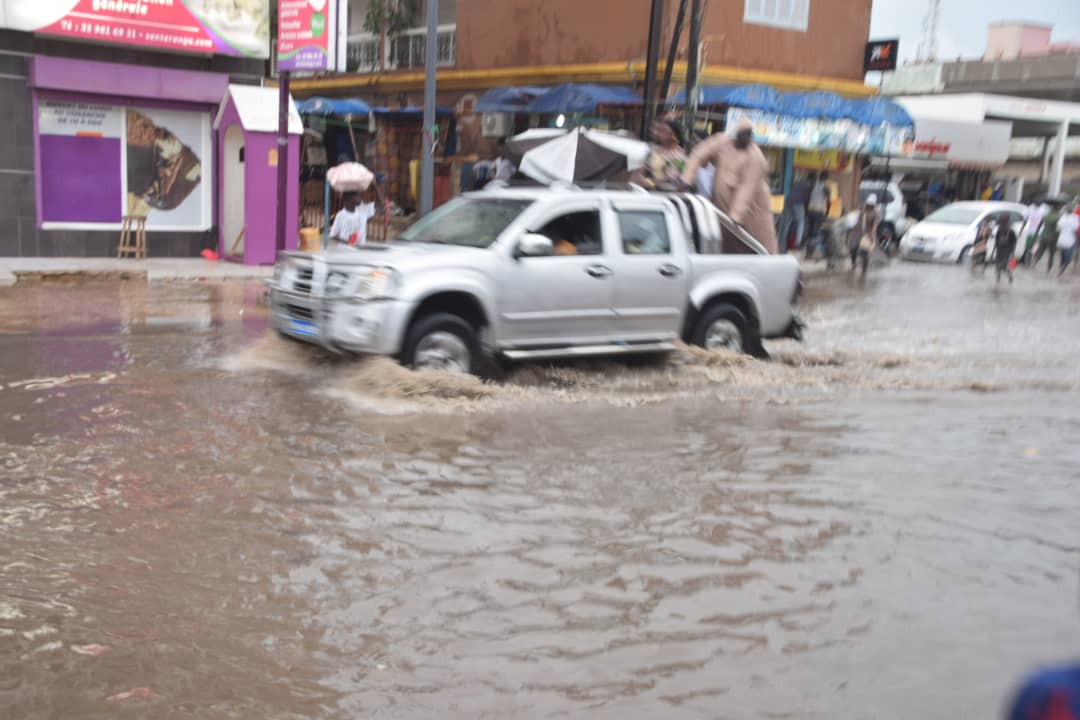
{"x": 881, "y": 55}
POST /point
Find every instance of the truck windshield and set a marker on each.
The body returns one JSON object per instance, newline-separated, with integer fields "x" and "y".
{"x": 467, "y": 221}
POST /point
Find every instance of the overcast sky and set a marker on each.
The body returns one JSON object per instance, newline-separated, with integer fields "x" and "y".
{"x": 962, "y": 28}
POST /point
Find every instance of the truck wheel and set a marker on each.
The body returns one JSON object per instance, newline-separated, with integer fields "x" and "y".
{"x": 724, "y": 327}
{"x": 443, "y": 342}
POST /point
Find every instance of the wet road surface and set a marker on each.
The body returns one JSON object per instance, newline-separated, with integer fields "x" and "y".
{"x": 199, "y": 520}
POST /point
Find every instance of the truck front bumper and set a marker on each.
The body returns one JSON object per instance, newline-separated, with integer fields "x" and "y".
{"x": 340, "y": 324}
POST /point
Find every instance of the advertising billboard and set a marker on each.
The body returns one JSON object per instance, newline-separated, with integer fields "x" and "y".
{"x": 311, "y": 35}
{"x": 224, "y": 27}
{"x": 101, "y": 162}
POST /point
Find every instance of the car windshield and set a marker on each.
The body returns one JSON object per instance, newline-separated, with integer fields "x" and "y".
{"x": 466, "y": 221}
{"x": 954, "y": 215}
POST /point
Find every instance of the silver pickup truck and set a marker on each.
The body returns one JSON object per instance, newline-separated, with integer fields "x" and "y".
{"x": 541, "y": 273}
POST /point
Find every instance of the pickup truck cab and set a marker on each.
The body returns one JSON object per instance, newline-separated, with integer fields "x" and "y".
{"x": 540, "y": 273}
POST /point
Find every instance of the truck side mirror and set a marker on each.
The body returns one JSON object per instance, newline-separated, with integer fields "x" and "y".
{"x": 534, "y": 245}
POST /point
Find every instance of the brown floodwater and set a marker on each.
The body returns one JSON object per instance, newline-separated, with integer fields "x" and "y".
{"x": 200, "y": 520}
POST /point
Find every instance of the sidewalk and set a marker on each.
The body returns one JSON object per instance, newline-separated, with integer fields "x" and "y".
{"x": 150, "y": 270}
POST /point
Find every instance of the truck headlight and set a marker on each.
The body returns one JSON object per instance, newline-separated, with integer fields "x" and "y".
{"x": 379, "y": 283}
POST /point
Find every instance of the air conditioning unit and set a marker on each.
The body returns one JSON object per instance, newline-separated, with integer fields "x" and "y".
{"x": 497, "y": 124}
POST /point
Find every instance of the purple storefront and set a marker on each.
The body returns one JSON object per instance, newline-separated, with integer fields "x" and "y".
{"x": 112, "y": 140}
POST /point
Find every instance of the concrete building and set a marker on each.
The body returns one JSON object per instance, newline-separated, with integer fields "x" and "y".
{"x": 1024, "y": 77}
{"x": 798, "y": 45}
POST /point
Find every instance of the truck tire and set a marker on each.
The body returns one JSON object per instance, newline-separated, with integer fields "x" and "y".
{"x": 724, "y": 326}
{"x": 444, "y": 342}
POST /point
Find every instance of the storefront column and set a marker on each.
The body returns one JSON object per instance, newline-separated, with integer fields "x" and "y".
{"x": 1057, "y": 169}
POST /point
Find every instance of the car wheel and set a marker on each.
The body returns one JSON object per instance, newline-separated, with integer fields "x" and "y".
{"x": 724, "y": 327}
{"x": 964, "y": 255}
{"x": 445, "y": 343}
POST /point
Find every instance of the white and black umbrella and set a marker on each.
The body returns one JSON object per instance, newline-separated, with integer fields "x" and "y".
{"x": 577, "y": 156}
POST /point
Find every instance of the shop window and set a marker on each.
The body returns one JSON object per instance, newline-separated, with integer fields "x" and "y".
{"x": 786, "y": 14}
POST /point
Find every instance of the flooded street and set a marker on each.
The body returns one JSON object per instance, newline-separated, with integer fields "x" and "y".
{"x": 200, "y": 520}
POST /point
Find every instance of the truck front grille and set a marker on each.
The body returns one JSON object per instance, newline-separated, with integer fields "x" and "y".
{"x": 302, "y": 283}
{"x": 299, "y": 312}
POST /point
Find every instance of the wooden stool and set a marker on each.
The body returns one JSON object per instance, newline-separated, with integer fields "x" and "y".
{"x": 132, "y": 237}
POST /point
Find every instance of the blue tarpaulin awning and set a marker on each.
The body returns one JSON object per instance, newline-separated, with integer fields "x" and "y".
{"x": 875, "y": 111}
{"x": 582, "y": 98}
{"x": 508, "y": 99}
{"x": 753, "y": 97}
{"x": 825, "y": 105}
{"x": 883, "y": 111}
{"x": 333, "y": 106}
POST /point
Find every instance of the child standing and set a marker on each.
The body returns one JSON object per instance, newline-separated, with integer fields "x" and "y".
{"x": 350, "y": 224}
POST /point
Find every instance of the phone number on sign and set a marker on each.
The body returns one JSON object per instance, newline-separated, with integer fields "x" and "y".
{"x": 124, "y": 34}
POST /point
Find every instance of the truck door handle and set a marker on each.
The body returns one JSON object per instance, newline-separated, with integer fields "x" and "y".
{"x": 669, "y": 270}
{"x": 598, "y": 271}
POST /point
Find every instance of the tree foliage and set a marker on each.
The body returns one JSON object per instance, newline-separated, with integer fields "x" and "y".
{"x": 393, "y": 16}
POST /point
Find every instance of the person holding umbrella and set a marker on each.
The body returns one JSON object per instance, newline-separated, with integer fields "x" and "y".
{"x": 741, "y": 187}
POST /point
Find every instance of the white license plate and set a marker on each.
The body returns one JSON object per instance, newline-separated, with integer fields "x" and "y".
{"x": 303, "y": 327}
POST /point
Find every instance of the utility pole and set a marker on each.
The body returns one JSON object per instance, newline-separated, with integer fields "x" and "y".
{"x": 928, "y": 46}
{"x": 427, "y": 161}
{"x": 655, "y": 24}
{"x": 673, "y": 51}
{"x": 282, "y": 160}
{"x": 692, "y": 72}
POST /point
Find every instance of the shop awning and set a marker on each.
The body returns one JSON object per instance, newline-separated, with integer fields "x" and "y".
{"x": 583, "y": 98}
{"x": 754, "y": 97}
{"x": 882, "y": 111}
{"x": 509, "y": 99}
{"x": 827, "y": 105}
{"x": 340, "y": 107}
{"x": 819, "y": 105}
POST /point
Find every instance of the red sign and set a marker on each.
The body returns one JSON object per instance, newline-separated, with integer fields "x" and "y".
{"x": 930, "y": 148}
{"x": 202, "y": 26}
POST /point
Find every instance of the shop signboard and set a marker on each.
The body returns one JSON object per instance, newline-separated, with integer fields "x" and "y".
{"x": 881, "y": 55}
{"x": 832, "y": 161}
{"x": 225, "y": 27}
{"x": 100, "y": 162}
{"x": 312, "y": 35}
{"x": 775, "y": 130}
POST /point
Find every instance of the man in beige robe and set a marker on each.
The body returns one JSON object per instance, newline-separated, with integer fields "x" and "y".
{"x": 741, "y": 187}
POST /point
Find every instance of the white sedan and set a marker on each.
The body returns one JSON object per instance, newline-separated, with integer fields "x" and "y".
{"x": 949, "y": 234}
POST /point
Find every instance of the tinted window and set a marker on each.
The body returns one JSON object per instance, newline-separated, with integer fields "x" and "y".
{"x": 576, "y": 233}
{"x": 644, "y": 233}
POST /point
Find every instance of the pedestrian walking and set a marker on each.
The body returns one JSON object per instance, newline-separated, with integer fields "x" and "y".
{"x": 1004, "y": 248}
{"x": 741, "y": 187}
{"x": 863, "y": 236}
{"x": 795, "y": 214}
{"x": 1067, "y": 226}
{"x": 817, "y": 207}
{"x": 1033, "y": 221}
{"x": 1048, "y": 239}
{"x": 982, "y": 245}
